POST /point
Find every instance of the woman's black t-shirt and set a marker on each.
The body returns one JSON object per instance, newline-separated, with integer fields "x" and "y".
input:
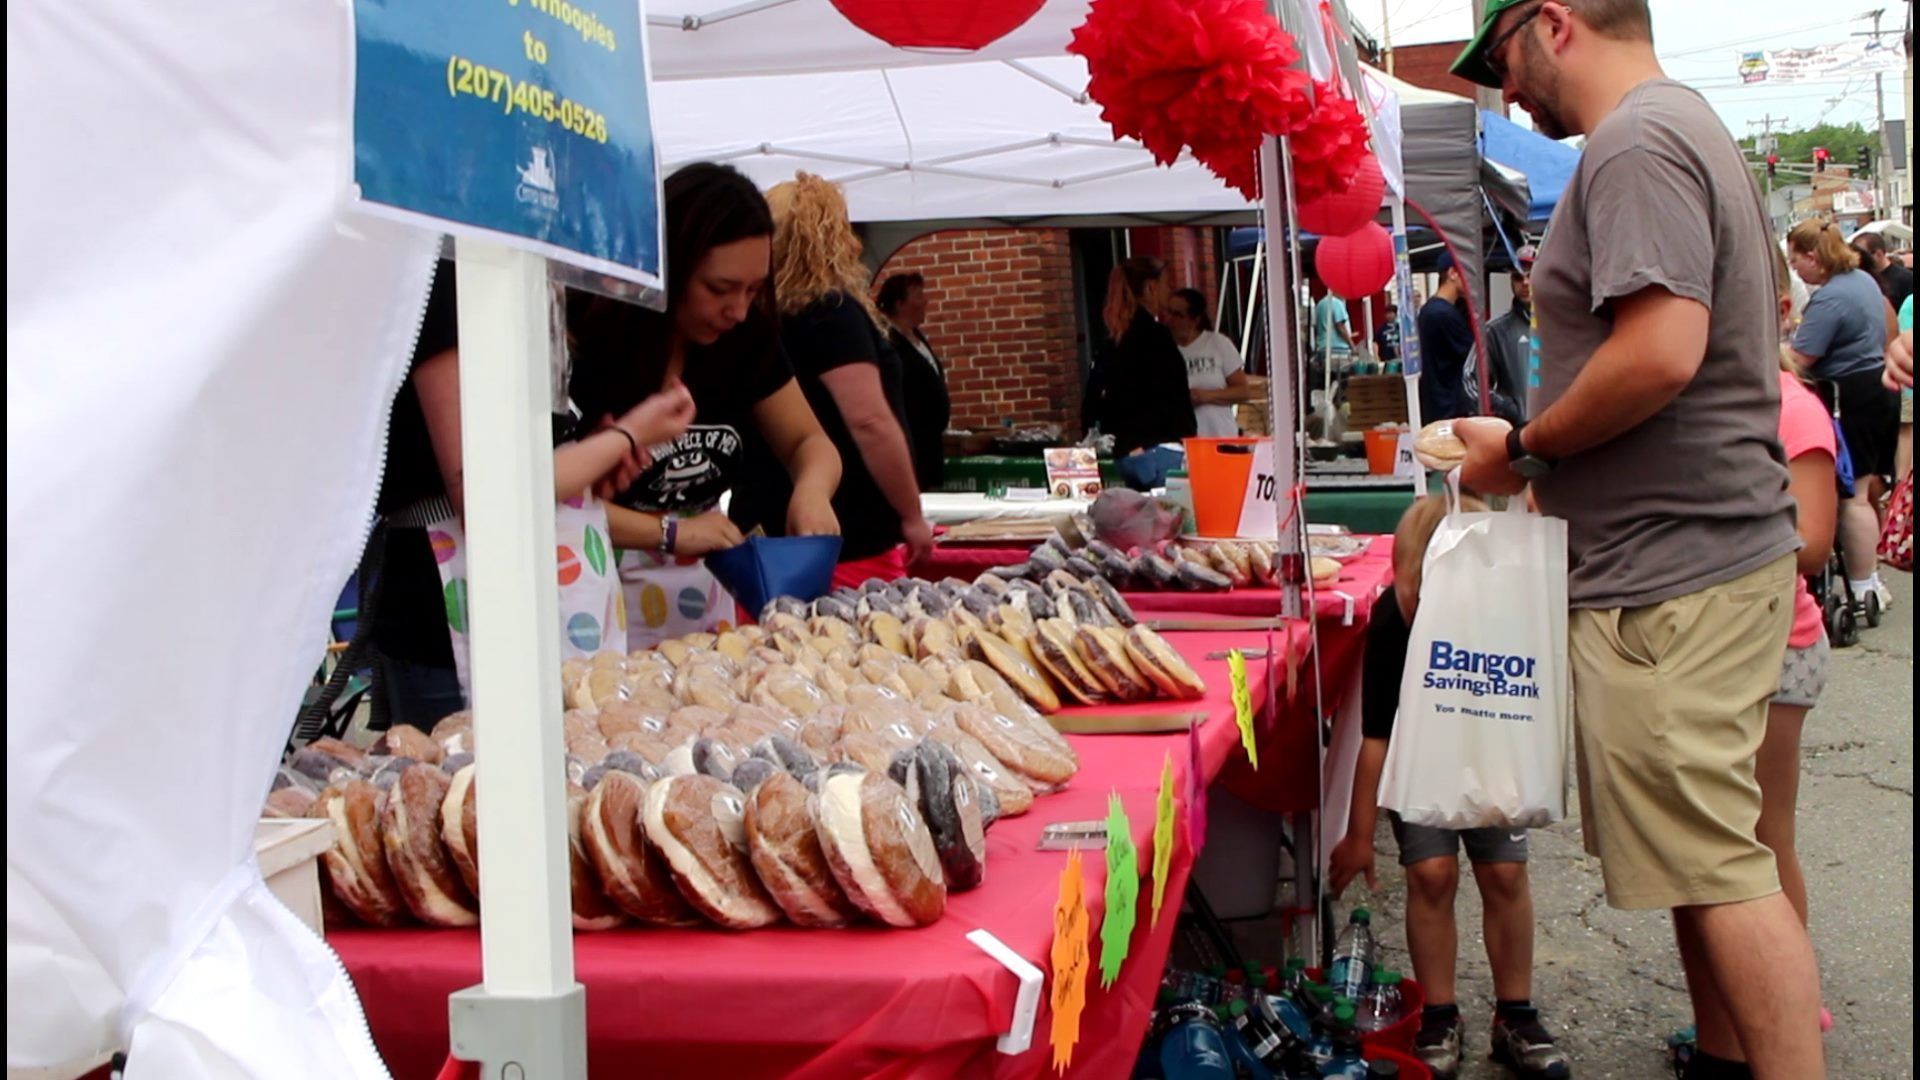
{"x": 830, "y": 333}
{"x": 620, "y": 359}
{"x": 1143, "y": 395}
{"x": 923, "y": 385}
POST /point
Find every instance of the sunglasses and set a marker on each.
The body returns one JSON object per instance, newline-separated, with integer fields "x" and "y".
{"x": 1499, "y": 45}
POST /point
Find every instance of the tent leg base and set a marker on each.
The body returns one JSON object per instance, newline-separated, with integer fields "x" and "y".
{"x": 518, "y": 1037}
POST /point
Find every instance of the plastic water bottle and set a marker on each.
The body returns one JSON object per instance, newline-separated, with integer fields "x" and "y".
{"x": 1238, "y": 1024}
{"x": 1294, "y": 974}
{"x": 1345, "y": 1062}
{"x": 1384, "y": 1006}
{"x": 1193, "y": 1047}
{"x": 1353, "y": 957}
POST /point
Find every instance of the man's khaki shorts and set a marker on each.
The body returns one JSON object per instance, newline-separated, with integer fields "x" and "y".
{"x": 1671, "y": 705}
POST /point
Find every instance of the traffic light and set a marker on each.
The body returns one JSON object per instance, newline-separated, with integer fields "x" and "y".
{"x": 1866, "y": 159}
{"x": 1773, "y": 166}
{"x": 1820, "y": 157}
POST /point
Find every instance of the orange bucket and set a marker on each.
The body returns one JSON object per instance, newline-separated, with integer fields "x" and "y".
{"x": 1217, "y": 470}
{"x": 1382, "y": 445}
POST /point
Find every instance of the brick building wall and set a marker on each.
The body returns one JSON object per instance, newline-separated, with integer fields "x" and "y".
{"x": 1426, "y": 66}
{"x": 1004, "y": 320}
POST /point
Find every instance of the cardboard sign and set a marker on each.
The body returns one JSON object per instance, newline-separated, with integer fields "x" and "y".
{"x": 1404, "y": 463}
{"x": 1073, "y": 472}
{"x": 1258, "y": 517}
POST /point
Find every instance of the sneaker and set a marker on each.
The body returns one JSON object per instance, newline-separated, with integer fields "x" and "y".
{"x": 1680, "y": 1050}
{"x": 1884, "y": 594}
{"x": 1438, "y": 1048}
{"x": 1521, "y": 1043}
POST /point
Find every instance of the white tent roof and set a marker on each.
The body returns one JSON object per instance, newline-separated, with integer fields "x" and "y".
{"x": 1005, "y": 134}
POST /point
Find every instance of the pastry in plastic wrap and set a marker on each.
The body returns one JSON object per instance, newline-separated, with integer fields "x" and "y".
{"x": 879, "y": 849}
{"x": 712, "y": 757}
{"x": 784, "y": 688}
{"x": 1053, "y": 645}
{"x": 1017, "y": 745}
{"x": 1007, "y": 660}
{"x": 634, "y": 875}
{"x": 783, "y": 844}
{"x": 1238, "y": 575}
{"x": 1439, "y": 447}
{"x": 345, "y": 751}
{"x": 292, "y": 801}
{"x": 356, "y": 864}
{"x": 591, "y": 908}
{"x": 404, "y": 740}
{"x": 697, "y": 823}
{"x": 1323, "y": 569}
{"x": 949, "y": 803}
{"x": 459, "y": 828}
{"x": 751, "y": 773}
{"x": 787, "y": 753}
{"x": 1265, "y": 574}
{"x": 1116, "y": 605}
{"x": 1108, "y": 661}
{"x": 320, "y": 767}
{"x": 886, "y": 631}
{"x": 1166, "y": 667}
{"x": 422, "y": 869}
{"x": 1012, "y": 796}
{"x": 867, "y": 749}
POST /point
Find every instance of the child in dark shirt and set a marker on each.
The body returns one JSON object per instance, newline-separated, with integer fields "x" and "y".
{"x": 1432, "y": 856}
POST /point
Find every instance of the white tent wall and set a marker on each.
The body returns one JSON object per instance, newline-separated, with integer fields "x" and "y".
{"x": 200, "y": 360}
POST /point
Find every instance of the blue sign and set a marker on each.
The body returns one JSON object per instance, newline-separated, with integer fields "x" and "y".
{"x": 524, "y": 121}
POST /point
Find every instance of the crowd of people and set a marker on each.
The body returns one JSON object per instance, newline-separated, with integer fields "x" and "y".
{"x": 1662, "y": 330}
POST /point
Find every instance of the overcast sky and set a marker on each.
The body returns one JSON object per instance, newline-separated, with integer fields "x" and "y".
{"x": 1700, "y": 43}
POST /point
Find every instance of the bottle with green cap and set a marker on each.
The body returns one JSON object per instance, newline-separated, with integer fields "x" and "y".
{"x": 1353, "y": 955}
{"x": 1384, "y": 1005}
{"x": 1345, "y": 1062}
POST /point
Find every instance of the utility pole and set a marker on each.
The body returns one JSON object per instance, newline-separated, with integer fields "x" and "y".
{"x": 1885, "y": 165}
{"x": 1386, "y": 35}
{"x": 1765, "y": 145}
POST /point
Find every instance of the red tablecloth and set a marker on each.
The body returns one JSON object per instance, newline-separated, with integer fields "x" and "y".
{"x": 865, "y": 1002}
{"x": 966, "y": 562}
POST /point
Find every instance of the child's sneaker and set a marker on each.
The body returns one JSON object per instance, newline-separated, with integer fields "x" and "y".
{"x": 1522, "y": 1043}
{"x": 1438, "y": 1045}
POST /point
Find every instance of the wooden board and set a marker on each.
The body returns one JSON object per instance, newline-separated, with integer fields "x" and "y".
{"x": 1375, "y": 399}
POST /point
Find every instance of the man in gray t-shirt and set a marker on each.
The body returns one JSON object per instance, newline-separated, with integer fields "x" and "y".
{"x": 1655, "y": 434}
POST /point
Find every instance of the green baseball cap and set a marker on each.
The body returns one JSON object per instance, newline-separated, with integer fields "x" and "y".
{"x": 1471, "y": 64}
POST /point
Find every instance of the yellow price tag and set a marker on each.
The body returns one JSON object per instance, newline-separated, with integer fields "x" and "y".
{"x": 1162, "y": 835}
{"x": 1243, "y": 704}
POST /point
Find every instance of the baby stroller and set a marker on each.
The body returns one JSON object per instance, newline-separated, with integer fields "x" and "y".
{"x": 1842, "y": 611}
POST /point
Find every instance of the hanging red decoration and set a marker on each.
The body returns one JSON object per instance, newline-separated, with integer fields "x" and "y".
{"x": 1340, "y": 213}
{"x": 1329, "y": 147}
{"x": 938, "y": 24}
{"x": 1211, "y": 75}
{"x": 1358, "y": 264}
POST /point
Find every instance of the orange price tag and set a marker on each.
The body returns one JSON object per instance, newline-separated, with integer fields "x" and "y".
{"x": 1071, "y": 961}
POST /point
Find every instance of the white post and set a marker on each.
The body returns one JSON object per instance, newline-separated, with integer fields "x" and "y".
{"x": 1281, "y": 347}
{"x": 528, "y": 1018}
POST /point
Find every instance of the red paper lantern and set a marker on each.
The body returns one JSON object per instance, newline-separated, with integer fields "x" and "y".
{"x": 1358, "y": 264}
{"x": 1341, "y": 213}
{"x": 938, "y": 24}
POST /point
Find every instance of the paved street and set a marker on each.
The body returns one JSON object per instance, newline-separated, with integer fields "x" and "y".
{"x": 1610, "y": 981}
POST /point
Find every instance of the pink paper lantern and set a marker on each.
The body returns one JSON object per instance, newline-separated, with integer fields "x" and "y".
{"x": 938, "y": 24}
{"x": 1358, "y": 264}
{"x": 1341, "y": 213}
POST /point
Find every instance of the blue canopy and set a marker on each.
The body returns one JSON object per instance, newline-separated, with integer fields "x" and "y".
{"x": 1547, "y": 165}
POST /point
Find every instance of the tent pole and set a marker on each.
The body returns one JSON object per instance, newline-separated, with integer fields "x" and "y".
{"x": 529, "y": 1012}
{"x": 1409, "y": 329}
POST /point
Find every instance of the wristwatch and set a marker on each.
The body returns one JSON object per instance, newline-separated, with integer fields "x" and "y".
{"x": 1529, "y": 466}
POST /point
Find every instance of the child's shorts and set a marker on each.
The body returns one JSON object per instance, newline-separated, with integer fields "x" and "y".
{"x": 1418, "y": 843}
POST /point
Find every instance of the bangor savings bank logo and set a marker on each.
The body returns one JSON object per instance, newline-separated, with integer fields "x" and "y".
{"x": 537, "y": 187}
{"x": 1482, "y": 674}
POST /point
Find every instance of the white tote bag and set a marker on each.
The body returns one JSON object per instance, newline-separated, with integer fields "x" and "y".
{"x": 1486, "y": 707}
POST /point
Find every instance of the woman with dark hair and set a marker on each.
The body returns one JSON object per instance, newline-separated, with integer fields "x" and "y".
{"x": 1139, "y": 390}
{"x": 1216, "y": 376}
{"x": 1843, "y": 340}
{"x": 923, "y": 381}
{"x": 719, "y": 338}
{"x": 834, "y": 337}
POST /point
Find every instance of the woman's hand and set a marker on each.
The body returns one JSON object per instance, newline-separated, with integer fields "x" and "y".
{"x": 918, "y": 535}
{"x": 1351, "y": 858}
{"x": 661, "y": 418}
{"x": 706, "y": 534}
{"x": 811, "y": 516}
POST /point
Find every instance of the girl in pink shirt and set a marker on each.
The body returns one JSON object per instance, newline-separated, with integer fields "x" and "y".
{"x": 1806, "y": 431}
